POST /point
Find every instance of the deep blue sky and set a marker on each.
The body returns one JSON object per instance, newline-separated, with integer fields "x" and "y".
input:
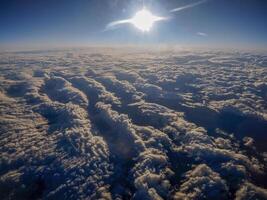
{"x": 233, "y": 23}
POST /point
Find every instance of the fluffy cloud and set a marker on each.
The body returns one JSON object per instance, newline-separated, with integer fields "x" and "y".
{"x": 250, "y": 191}
{"x": 58, "y": 89}
{"x": 94, "y": 90}
{"x": 202, "y": 183}
{"x": 132, "y": 123}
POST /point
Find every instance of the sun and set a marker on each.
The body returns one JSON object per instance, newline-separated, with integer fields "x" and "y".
{"x": 144, "y": 20}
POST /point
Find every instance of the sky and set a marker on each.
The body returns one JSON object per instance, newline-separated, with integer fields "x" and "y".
{"x": 233, "y": 23}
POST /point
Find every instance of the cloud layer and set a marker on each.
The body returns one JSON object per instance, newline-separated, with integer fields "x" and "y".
{"x": 133, "y": 123}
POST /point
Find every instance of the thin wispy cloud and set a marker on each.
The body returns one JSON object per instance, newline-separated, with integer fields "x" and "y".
{"x": 115, "y": 23}
{"x": 202, "y": 34}
{"x": 188, "y": 6}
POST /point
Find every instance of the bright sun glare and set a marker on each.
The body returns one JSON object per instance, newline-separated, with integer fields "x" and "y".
{"x": 144, "y": 20}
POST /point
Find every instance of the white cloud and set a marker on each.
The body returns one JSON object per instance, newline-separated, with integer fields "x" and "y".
{"x": 188, "y": 6}
{"x": 202, "y": 182}
{"x": 127, "y": 123}
{"x": 250, "y": 191}
{"x": 202, "y": 34}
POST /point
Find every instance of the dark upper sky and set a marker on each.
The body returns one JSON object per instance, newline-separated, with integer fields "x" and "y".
{"x": 233, "y": 23}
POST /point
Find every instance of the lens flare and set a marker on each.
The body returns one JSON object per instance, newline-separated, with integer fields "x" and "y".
{"x": 143, "y": 20}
